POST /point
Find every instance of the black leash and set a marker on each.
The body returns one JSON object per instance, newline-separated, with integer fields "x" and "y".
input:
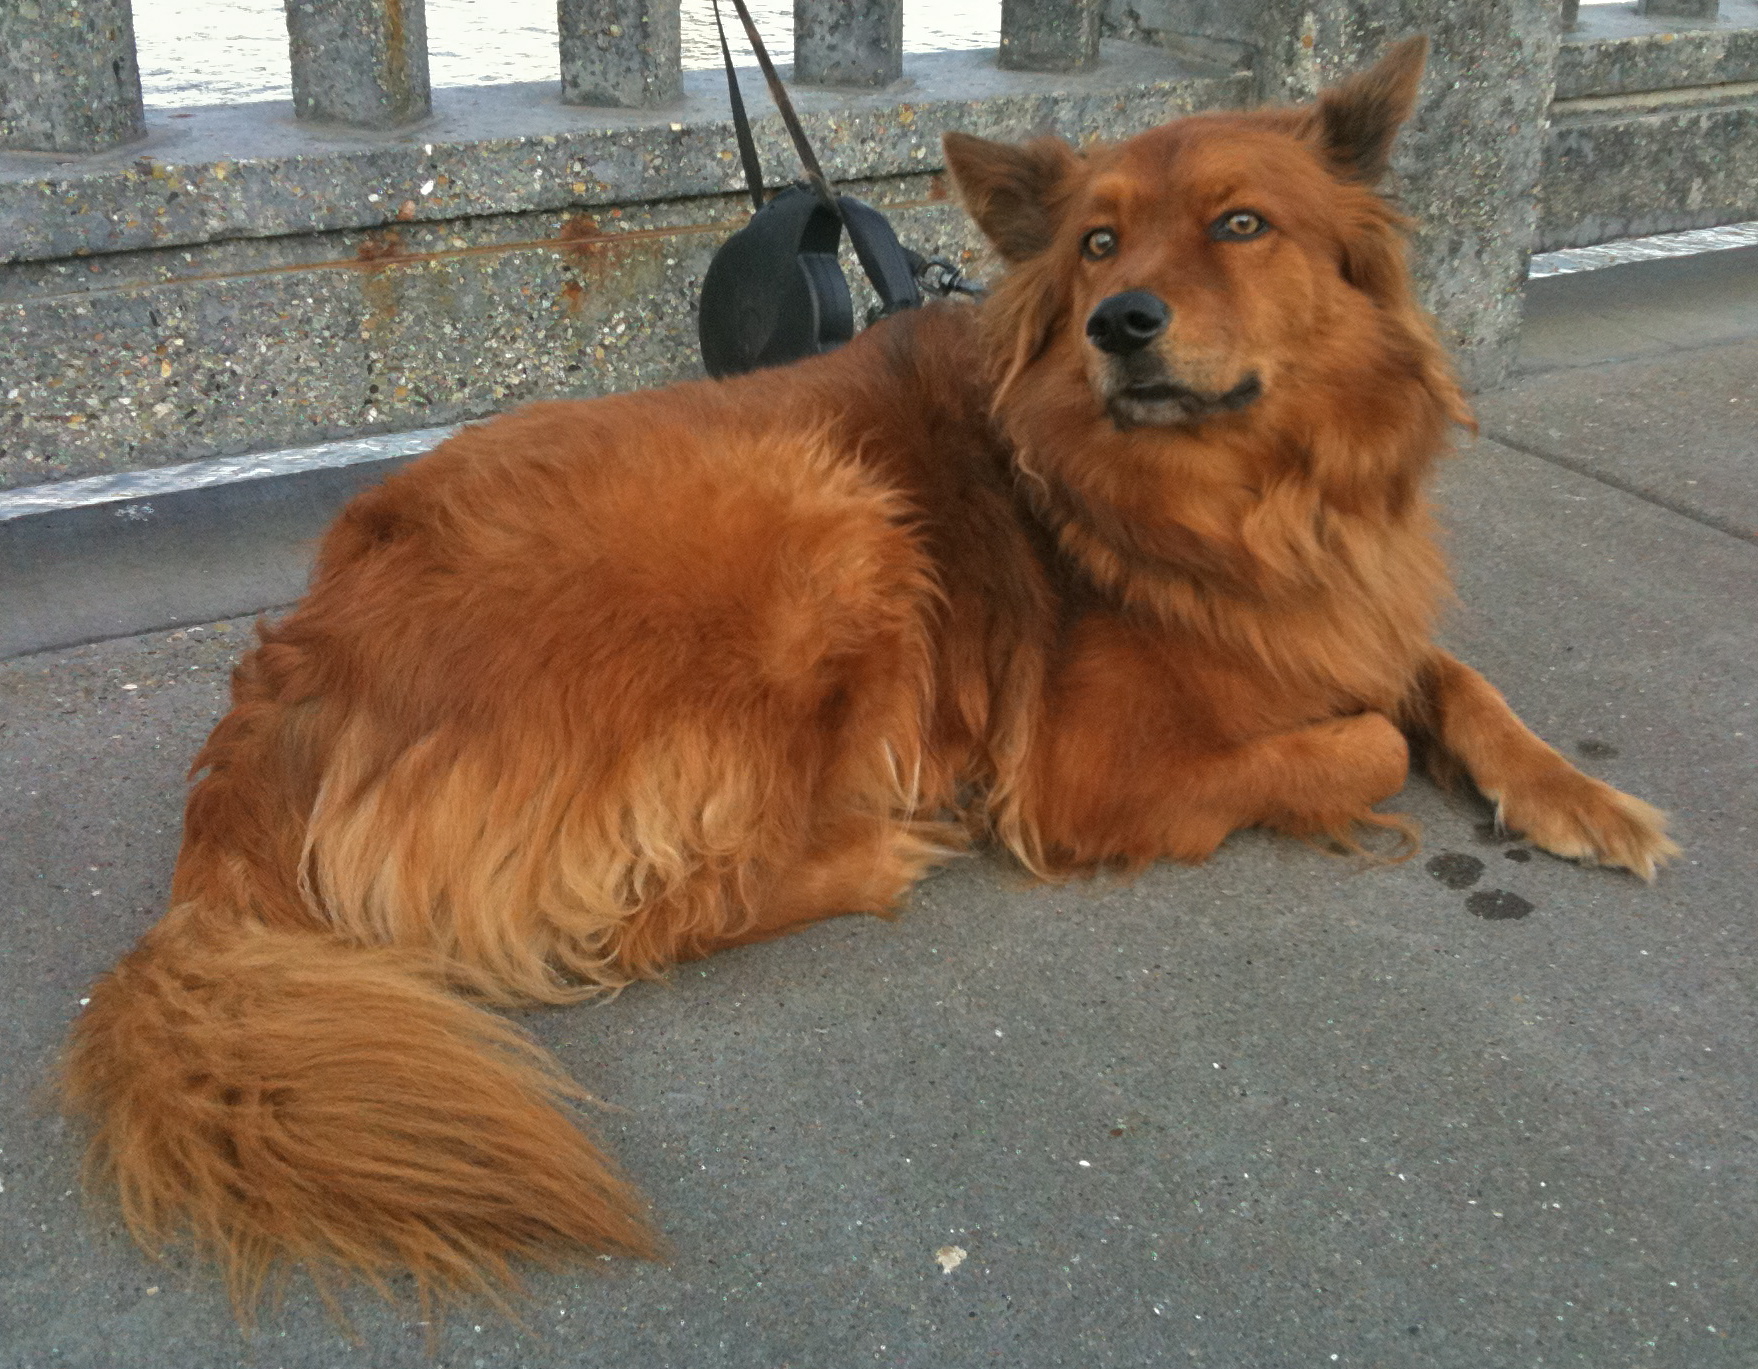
{"x": 784, "y": 106}
{"x": 774, "y": 291}
{"x": 933, "y": 275}
{"x": 741, "y": 123}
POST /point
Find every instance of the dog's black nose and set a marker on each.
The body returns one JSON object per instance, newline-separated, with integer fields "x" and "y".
{"x": 1128, "y": 322}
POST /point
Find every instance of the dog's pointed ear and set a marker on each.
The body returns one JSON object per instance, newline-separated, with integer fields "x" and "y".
{"x": 1357, "y": 121}
{"x": 1009, "y": 189}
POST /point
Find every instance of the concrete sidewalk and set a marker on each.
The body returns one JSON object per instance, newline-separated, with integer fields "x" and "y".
{"x": 1482, "y": 1109}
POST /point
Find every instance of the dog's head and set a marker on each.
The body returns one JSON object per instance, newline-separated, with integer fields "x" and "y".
{"x": 1195, "y": 271}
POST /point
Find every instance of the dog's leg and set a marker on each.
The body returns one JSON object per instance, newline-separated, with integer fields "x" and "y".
{"x": 867, "y": 865}
{"x": 1536, "y": 792}
{"x": 1317, "y": 780}
{"x": 1140, "y": 756}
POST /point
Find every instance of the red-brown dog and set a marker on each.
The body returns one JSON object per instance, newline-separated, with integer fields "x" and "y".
{"x": 599, "y": 686}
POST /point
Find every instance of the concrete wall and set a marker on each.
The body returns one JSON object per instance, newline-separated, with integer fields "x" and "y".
{"x": 239, "y": 282}
{"x": 242, "y": 281}
{"x": 1655, "y": 126}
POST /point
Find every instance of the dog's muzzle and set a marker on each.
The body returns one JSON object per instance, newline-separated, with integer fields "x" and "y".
{"x": 1139, "y": 390}
{"x": 1160, "y": 402}
{"x": 1128, "y": 322}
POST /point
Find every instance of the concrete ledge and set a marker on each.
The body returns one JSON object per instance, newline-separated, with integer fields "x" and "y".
{"x": 1615, "y": 51}
{"x": 1627, "y": 251}
{"x": 158, "y": 358}
{"x": 1623, "y": 166}
{"x": 240, "y": 282}
{"x": 251, "y": 171}
{"x": 379, "y": 284}
{"x": 169, "y": 482}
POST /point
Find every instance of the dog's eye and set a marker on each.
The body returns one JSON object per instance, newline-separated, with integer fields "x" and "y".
{"x": 1101, "y": 242}
{"x": 1236, "y": 225}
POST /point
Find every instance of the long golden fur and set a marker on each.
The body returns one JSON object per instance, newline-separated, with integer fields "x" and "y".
{"x": 601, "y": 686}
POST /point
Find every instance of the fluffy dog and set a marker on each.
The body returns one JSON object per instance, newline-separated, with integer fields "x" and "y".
{"x": 1133, "y": 555}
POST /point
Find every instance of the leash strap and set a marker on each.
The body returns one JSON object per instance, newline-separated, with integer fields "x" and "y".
{"x": 741, "y": 122}
{"x": 784, "y": 106}
{"x": 740, "y": 328}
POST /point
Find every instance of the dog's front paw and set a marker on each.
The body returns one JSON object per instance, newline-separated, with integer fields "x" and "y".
{"x": 1580, "y": 818}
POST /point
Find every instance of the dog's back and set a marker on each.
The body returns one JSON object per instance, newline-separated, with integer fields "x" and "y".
{"x": 592, "y": 688}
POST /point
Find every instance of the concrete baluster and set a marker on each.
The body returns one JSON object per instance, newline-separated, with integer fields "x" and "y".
{"x": 848, "y": 42}
{"x": 621, "y": 52}
{"x": 1050, "y": 35}
{"x": 359, "y": 62}
{"x": 69, "y": 81}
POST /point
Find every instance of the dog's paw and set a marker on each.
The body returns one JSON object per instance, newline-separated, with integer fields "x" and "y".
{"x": 1580, "y": 818}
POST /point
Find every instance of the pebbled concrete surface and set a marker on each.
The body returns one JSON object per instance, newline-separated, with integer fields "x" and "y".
{"x": 1481, "y": 1109}
{"x": 1613, "y": 50}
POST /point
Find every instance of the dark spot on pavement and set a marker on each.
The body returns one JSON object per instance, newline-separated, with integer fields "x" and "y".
{"x": 1490, "y": 835}
{"x": 1454, "y": 870}
{"x": 1497, "y": 905}
{"x": 1519, "y": 854}
{"x": 1592, "y": 746}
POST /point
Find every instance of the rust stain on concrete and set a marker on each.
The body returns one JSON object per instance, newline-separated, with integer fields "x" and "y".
{"x": 374, "y": 258}
{"x": 381, "y": 249}
{"x": 384, "y": 251}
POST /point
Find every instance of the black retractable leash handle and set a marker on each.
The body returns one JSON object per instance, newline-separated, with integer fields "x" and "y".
{"x": 775, "y": 292}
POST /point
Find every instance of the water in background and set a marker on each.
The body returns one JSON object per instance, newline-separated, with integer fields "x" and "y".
{"x": 202, "y": 52}
{"x": 197, "y": 52}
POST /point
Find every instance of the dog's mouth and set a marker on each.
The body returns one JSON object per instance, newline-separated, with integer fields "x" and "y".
{"x": 1161, "y": 402}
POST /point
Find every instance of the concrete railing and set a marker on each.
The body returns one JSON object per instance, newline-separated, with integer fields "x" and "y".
{"x": 1655, "y": 122}
{"x": 70, "y": 80}
{"x": 380, "y": 256}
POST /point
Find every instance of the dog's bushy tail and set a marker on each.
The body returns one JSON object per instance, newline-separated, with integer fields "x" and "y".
{"x": 284, "y": 1096}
